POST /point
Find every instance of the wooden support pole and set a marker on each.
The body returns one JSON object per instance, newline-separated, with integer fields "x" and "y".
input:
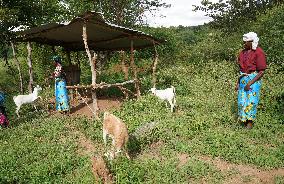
{"x": 154, "y": 77}
{"x": 69, "y": 79}
{"x": 123, "y": 65}
{"x": 19, "y": 68}
{"x": 68, "y": 57}
{"x": 137, "y": 87}
{"x": 29, "y": 58}
{"x": 93, "y": 69}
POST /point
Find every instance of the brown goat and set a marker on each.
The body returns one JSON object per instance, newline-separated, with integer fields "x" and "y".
{"x": 117, "y": 130}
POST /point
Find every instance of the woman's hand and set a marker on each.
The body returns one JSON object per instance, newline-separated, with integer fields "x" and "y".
{"x": 247, "y": 87}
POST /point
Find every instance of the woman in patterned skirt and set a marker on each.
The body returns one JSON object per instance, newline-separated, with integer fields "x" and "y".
{"x": 61, "y": 93}
{"x": 252, "y": 62}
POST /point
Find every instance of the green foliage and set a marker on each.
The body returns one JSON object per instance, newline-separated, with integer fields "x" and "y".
{"x": 270, "y": 27}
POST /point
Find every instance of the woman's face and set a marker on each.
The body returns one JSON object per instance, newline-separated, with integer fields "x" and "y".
{"x": 247, "y": 44}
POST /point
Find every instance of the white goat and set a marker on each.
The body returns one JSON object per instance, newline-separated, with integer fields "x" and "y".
{"x": 25, "y": 99}
{"x": 166, "y": 94}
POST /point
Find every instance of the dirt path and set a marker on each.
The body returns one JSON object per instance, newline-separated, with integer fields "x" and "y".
{"x": 244, "y": 173}
{"x": 94, "y": 151}
{"x": 239, "y": 173}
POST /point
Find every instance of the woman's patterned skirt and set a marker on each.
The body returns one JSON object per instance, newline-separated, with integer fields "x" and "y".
{"x": 61, "y": 95}
{"x": 248, "y": 100}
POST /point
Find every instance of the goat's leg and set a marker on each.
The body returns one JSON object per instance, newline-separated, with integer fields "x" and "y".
{"x": 118, "y": 150}
{"x": 35, "y": 107}
{"x": 166, "y": 104}
{"x": 105, "y": 136}
{"x": 174, "y": 100}
{"x": 126, "y": 152}
{"x": 17, "y": 110}
{"x": 111, "y": 153}
{"x": 172, "y": 106}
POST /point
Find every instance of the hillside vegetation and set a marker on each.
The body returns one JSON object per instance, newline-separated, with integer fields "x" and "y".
{"x": 183, "y": 146}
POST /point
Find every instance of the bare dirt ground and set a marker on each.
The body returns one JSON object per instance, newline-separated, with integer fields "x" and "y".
{"x": 104, "y": 104}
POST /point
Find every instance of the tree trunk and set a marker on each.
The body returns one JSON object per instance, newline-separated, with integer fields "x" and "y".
{"x": 137, "y": 87}
{"x": 154, "y": 79}
{"x": 29, "y": 58}
{"x": 19, "y": 68}
{"x": 93, "y": 69}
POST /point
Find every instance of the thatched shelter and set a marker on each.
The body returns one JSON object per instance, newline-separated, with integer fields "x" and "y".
{"x": 90, "y": 31}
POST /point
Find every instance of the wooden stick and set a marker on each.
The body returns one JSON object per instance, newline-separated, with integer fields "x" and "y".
{"x": 86, "y": 103}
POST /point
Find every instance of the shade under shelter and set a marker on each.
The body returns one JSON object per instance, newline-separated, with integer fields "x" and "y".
{"x": 101, "y": 35}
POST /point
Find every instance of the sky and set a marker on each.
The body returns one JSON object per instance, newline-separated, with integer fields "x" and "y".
{"x": 180, "y": 13}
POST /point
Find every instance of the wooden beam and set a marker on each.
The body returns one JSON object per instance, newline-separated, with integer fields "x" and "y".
{"x": 133, "y": 66}
{"x": 100, "y": 86}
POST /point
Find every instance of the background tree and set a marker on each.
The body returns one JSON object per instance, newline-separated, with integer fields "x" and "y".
{"x": 121, "y": 12}
{"x": 232, "y": 15}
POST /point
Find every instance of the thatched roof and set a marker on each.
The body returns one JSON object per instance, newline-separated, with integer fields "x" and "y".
{"x": 101, "y": 35}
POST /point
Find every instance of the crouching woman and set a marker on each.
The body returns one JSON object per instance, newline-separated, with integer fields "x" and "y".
{"x": 61, "y": 93}
{"x": 4, "y": 122}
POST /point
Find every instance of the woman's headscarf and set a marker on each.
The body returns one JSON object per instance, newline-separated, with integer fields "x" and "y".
{"x": 251, "y": 36}
{"x": 57, "y": 59}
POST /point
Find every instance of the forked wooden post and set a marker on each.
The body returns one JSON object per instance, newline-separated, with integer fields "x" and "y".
{"x": 93, "y": 69}
{"x": 29, "y": 58}
{"x": 137, "y": 86}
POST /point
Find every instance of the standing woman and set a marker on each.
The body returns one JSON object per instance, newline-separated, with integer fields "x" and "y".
{"x": 61, "y": 93}
{"x": 252, "y": 63}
